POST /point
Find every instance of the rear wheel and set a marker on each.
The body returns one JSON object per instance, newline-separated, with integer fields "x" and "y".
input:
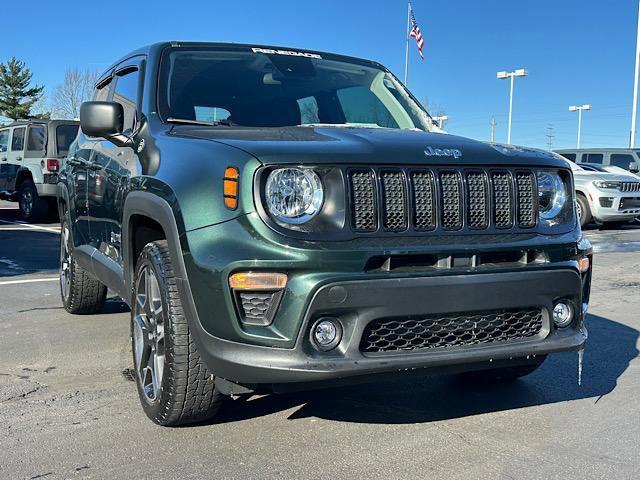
{"x": 505, "y": 374}
{"x": 80, "y": 292}
{"x": 32, "y": 207}
{"x": 584, "y": 212}
{"x": 174, "y": 385}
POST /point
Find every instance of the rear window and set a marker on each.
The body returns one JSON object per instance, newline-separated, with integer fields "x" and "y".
{"x": 65, "y": 135}
{"x": 17, "y": 141}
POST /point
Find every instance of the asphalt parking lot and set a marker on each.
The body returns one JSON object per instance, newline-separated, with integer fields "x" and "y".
{"x": 69, "y": 410}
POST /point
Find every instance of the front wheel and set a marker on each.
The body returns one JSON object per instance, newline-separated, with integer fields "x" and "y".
{"x": 583, "y": 210}
{"x": 174, "y": 385}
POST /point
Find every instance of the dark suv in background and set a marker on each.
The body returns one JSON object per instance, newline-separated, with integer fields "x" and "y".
{"x": 281, "y": 219}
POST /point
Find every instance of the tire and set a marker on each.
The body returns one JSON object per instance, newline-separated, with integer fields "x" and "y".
{"x": 174, "y": 386}
{"x": 81, "y": 293}
{"x": 32, "y": 207}
{"x": 505, "y": 374}
{"x": 584, "y": 212}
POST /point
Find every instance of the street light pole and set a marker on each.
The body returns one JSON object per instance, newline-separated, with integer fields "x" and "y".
{"x": 579, "y": 109}
{"x": 440, "y": 119}
{"x": 635, "y": 86}
{"x": 521, "y": 72}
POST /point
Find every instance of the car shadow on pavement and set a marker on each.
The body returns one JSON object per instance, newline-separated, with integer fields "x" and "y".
{"x": 24, "y": 249}
{"x": 612, "y": 346}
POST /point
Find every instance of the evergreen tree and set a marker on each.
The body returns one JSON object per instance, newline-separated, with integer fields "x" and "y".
{"x": 17, "y": 96}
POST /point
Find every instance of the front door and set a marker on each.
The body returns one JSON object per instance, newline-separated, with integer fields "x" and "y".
{"x": 15, "y": 155}
{"x": 111, "y": 168}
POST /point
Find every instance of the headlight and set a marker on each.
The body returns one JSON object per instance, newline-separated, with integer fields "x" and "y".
{"x": 552, "y": 194}
{"x": 293, "y": 195}
{"x": 607, "y": 184}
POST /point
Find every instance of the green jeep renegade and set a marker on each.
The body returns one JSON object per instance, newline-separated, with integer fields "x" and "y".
{"x": 282, "y": 219}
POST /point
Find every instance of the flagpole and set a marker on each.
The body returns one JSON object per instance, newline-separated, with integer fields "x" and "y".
{"x": 406, "y": 54}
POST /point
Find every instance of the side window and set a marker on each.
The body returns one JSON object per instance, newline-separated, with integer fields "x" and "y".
{"x": 126, "y": 94}
{"x": 35, "y": 139}
{"x": 569, "y": 156}
{"x": 102, "y": 94}
{"x": 361, "y": 105}
{"x": 621, "y": 160}
{"x": 593, "y": 158}
{"x": 17, "y": 141}
{"x": 4, "y": 140}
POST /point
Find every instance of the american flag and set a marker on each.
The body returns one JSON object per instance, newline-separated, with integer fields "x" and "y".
{"x": 415, "y": 33}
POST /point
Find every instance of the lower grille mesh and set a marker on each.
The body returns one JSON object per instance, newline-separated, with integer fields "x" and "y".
{"x": 450, "y": 330}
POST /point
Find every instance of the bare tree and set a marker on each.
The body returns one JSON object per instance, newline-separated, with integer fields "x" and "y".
{"x": 76, "y": 88}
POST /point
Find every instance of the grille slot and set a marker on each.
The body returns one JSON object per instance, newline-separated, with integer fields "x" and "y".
{"x": 524, "y": 182}
{"x": 450, "y": 330}
{"x": 502, "y": 200}
{"x": 630, "y": 186}
{"x": 394, "y": 195}
{"x": 364, "y": 215}
{"x": 477, "y": 198}
{"x": 424, "y": 217}
{"x": 451, "y": 201}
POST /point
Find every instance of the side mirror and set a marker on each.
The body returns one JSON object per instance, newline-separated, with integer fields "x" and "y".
{"x": 633, "y": 167}
{"x": 105, "y": 120}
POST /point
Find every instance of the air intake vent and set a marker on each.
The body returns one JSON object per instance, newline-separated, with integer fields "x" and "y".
{"x": 526, "y": 217}
{"x": 478, "y": 199}
{"x": 502, "y": 199}
{"x": 451, "y": 201}
{"x": 394, "y": 195}
{"x": 363, "y": 198}
{"x": 423, "y": 197}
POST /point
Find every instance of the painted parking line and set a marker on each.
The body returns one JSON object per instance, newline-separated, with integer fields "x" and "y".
{"x": 25, "y": 226}
{"x": 30, "y": 280}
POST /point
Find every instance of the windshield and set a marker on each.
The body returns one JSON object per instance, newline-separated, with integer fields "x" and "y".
{"x": 256, "y": 87}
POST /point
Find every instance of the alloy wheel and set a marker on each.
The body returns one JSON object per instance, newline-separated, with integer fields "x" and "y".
{"x": 26, "y": 202}
{"x": 148, "y": 334}
{"x": 65, "y": 262}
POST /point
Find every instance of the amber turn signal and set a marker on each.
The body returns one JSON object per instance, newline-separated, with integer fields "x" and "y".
{"x": 230, "y": 184}
{"x": 584, "y": 263}
{"x": 258, "y": 281}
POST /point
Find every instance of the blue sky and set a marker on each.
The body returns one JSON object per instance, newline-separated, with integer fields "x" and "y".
{"x": 576, "y": 51}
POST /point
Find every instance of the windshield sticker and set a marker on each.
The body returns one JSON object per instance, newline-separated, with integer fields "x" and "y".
{"x": 289, "y": 53}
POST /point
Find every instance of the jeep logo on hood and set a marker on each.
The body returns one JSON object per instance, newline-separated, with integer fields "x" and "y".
{"x": 443, "y": 152}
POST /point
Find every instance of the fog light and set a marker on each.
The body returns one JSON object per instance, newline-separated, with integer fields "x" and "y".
{"x": 326, "y": 333}
{"x": 562, "y": 314}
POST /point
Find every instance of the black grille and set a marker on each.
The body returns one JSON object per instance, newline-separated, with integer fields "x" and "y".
{"x": 423, "y": 198}
{"x": 394, "y": 194}
{"x": 450, "y": 199}
{"x": 450, "y": 330}
{"x": 477, "y": 195}
{"x": 502, "y": 199}
{"x": 258, "y": 308}
{"x": 362, "y": 194}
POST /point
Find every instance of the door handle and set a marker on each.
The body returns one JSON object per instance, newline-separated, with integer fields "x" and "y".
{"x": 18, "y": 158}
{"x": 4, "y": 159}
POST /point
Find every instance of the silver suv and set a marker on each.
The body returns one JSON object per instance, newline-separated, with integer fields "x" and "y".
{"x": 31, "y": 153}
{"x": 605, "y": 197}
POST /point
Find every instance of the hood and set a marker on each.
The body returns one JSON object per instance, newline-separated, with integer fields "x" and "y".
{"x": 338, "y": 145}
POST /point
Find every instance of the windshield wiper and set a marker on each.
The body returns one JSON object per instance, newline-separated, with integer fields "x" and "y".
{"x": 184, "y": 121}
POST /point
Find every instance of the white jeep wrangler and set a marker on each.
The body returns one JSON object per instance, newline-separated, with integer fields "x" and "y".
{"x": 31, "y": 153}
